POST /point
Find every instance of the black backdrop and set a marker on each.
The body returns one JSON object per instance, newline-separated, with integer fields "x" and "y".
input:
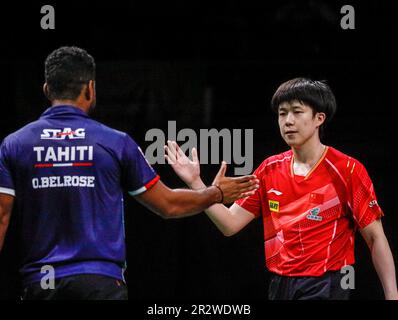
{"x": 211, "y": 65}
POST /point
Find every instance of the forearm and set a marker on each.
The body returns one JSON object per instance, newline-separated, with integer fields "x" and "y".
{"x": 6, "y": 204}
{"x": 183, "y": 203}
{"x": 220, "y": 215}
{"x": 3, "y": 229}
{"x": 384, "y": 264}
{"x": 2, "y": 236}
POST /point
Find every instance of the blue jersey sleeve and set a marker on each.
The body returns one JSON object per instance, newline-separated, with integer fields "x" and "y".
{"x": 6, "y": 180}
{"x": 137, "y": 174}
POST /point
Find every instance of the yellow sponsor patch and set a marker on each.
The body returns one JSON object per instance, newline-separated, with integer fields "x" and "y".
{"x": 273, "y": 205}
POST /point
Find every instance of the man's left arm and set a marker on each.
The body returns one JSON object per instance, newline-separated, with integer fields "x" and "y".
{"x": 6, "y": 203}
{"x": 382, "y": 258}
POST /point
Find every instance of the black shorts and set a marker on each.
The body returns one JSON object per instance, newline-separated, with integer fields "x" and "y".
{"x": 79, "y": 287}
{"x": 325, "y": 287}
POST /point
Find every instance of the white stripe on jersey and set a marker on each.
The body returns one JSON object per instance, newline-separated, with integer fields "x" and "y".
{"x": 138, "y": 191}
{"x": 11, "y": 192}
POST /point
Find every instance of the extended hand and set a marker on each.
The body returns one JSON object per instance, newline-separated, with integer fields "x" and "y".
{"x": 186, "y": 169}
{"x": 235, "y": 188}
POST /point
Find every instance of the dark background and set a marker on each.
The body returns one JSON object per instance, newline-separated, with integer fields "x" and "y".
{"x": 211, "y": 65}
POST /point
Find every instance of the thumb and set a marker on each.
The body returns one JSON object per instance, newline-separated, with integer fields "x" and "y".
{"x": 223, "y": 169}
{"x": 195, "y": 155}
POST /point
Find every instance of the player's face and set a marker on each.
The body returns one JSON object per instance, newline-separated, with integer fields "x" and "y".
{"x": 298, "y": 123}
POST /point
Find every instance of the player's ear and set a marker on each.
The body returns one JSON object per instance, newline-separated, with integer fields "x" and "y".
{"x": 320, "y": 117}
{"x": 45, "y": 90}
{"x": 89, "y": 90}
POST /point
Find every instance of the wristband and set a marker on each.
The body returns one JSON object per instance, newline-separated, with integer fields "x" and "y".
{"x": 222, "y": 193}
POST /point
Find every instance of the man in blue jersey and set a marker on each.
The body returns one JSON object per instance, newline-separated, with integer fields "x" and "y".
{"x": 67, "y": 173}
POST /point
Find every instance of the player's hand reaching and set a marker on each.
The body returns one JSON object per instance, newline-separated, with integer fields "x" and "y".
{"x": 187, "y": 170}
{"x": 232, "y": 188}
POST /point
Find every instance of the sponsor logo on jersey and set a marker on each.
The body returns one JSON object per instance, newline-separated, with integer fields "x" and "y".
{"x": 313, "y": 215}
{"x": 62, "y": 134}
{"x": 373, "y": 203}
{"x": 273, "y": 205}
{"x": 277, "y": 192}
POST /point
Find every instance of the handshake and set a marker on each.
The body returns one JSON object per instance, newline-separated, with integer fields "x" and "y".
{"x": 231, "y": 188}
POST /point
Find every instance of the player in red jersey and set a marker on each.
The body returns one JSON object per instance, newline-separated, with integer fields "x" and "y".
{"x": 312, "y": 199}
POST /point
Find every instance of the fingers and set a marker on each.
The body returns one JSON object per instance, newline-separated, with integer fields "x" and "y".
{"x": 171, "y": 147}
{"x": 175, "y": 148}
{"x": 249, "y": 191}
{"x": 195, "y": 155}
{"x": 174, "y": 151}
{"x": 178, "y": 150}
{"x": 245, "y": 180}
{"x": 249, "y": 188}
{"x": 223, "y": 169}
{"x": 170, "y": 151}
{"x": 170, "y": 157}
{"x": 247, "y": 194}
{"x": 250, "y": 183}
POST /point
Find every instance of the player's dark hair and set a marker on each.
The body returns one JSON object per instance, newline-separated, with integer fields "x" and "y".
{"x": 315, "y": 94}
{"x": 66, "y": 70}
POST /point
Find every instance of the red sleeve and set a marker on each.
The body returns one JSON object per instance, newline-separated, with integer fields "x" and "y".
{"x": 363, "y": 199}
{"x": 253, "y": 203}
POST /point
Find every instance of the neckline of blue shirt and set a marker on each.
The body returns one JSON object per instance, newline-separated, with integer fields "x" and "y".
{"x": 63, "y": 109}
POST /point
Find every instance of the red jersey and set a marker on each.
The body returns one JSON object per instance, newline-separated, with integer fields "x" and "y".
{"x": 310, "y": 222}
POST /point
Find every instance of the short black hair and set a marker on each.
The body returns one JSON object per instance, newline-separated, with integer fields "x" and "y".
{"x": 66, "y": 70}
{"x": 315, "y": 94}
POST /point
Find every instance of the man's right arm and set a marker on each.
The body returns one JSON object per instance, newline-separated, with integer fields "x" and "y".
{"x": 176, "y": 203}
{"x": 179, "y": 203}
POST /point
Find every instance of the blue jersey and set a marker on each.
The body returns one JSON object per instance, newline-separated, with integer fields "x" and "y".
{"x": 68, "y": 173}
